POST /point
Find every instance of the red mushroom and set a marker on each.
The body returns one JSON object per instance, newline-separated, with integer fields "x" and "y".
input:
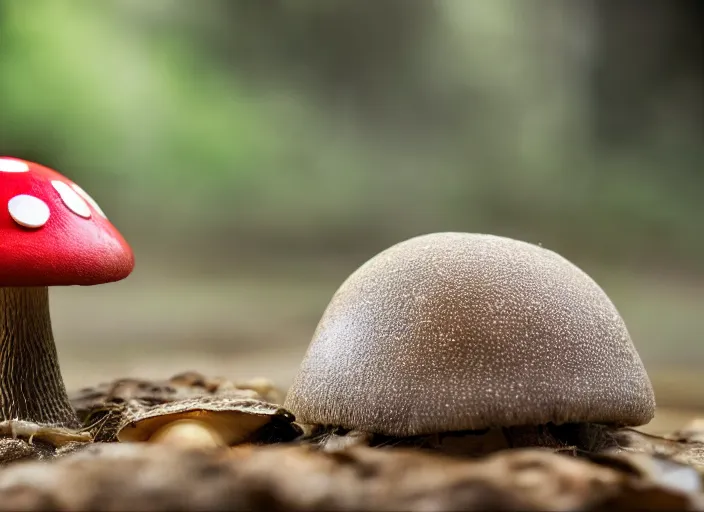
{"x": 51, "y": 234}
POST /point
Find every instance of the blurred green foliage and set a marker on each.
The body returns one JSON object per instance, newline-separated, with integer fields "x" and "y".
{"x": 254, "y": 153}
{"x": 301, "y": 127}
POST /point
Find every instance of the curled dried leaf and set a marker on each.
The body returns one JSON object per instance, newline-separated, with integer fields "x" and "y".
{"x": 103, "y": 408}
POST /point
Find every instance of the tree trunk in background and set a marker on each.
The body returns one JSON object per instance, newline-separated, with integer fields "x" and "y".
{"x": 649, "y": 70}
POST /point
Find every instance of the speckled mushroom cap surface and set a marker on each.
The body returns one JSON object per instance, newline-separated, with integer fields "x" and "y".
{"x": 458, "y": 331}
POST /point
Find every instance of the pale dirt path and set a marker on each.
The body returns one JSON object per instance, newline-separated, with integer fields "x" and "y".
{"x": 280, "y": 366}
{"x": 154, "y": 325}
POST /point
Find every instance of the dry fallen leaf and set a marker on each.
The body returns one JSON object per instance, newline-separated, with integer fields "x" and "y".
{"x": 104, "y": 407}
{"x": 692, "y": 432}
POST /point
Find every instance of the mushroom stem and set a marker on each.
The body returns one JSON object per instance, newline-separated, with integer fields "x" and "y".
{"x": 31, "y": 386}
{"x": 188, "y": 432}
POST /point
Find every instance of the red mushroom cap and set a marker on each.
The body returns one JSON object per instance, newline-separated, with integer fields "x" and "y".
{"x": 52, "y": 233}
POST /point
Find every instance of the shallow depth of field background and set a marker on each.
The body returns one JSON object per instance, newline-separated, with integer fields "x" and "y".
{"x": 255, "y": 153}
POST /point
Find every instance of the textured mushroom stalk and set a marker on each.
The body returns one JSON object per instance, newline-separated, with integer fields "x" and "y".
{"x": 31, "y": 386}
{"x": 192, "y": 433}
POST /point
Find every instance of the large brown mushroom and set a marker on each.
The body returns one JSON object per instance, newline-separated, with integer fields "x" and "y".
{"x": 452, "y": 332}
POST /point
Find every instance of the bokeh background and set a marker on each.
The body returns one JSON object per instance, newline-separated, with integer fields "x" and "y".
{"x": 255, "y": 153}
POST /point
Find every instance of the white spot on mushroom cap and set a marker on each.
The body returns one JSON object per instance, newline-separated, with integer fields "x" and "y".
{"x": 11, "y": 165}
{"x": 71, "y": 199}
{"x": 28, "y": 211}
{"x": 90, "y": 200}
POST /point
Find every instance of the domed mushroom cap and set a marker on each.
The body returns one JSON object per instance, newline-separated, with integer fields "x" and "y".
{"x": 53, "y": 233}
{"x": 457, "y": 331}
